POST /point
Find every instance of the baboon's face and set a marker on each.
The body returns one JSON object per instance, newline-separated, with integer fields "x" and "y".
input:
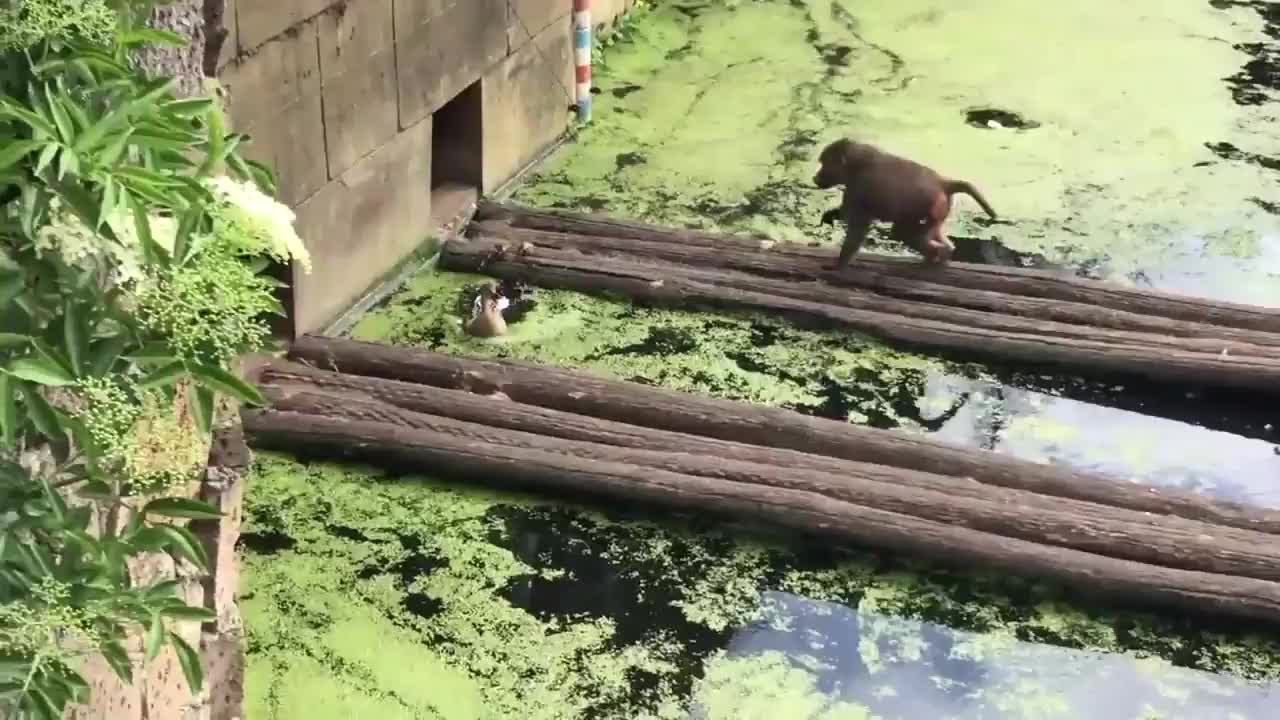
{"x": 831, "y": 165}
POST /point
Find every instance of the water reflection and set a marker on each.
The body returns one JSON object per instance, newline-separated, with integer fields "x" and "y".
{"x": 812, "y": 660}
{"x": 1188, "y": 269}
{"x": 1044, "y": 428}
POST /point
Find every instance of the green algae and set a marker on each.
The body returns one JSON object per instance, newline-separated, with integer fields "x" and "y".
{"x": 750, "y": 358}
{"x": 403, "y": 597}
{"x": 719, "y": 120}
{"x": 411, "y": 599}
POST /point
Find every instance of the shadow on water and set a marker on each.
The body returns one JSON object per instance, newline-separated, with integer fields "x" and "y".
{"x": 936, "y": 665}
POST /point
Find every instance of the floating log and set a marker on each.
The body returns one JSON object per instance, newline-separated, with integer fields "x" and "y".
{"x": 584, "y": 394}
{"x": 799, "y": 509}
{"x": 1165, "y": 350}
{"x": 1115, "y": 532}
{"x": 748, "y": 267}
{"x": 1027, "y": 283}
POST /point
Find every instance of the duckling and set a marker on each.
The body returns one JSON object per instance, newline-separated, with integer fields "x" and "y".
{"x": 486, "y": 317}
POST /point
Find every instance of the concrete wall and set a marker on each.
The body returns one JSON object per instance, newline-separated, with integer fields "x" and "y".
{"x": 338, "y": 97}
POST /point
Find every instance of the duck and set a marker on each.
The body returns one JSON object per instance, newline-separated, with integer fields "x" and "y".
{"x": 486, "y": 317}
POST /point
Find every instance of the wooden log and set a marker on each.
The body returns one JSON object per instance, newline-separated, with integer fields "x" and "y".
{"x": 804, "y": 511}
{"x": 1109, "y": 531}
{"x": 1013, "y": 281}
{"x": 1110, "y": 326}
{"x": 1161, "y": 359}
{"x": 585, "y": 394}
{"x": 806, "y": 278}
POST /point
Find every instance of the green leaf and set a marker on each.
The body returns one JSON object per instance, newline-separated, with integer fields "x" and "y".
{"x": 155, "y": 636}
{"x": 189, "y": 613}
{"x": 186, "y": 225}
{"x": 219, "y": 380}
{"x": 66, "y": 131}
{"x": 182, "y": 508}
{"x": 17, "y": 150}
{"x": 9, "y": 340}
{"x": 263, "y": 177}
{"x": 152, "y": 352}
{"x": 8, "y": 108}
{"x": 147, "y": 177}
{"x": 45, "y": 419}
{"x": 202, "y": 402}
{"x": 152, "y": 251}
{"x": 104, "y": 353}
{"x": 188, "y": 108}
{"x": 42, "y": 705}
{"x": 49, "y": 352}
{"x": 108, "y": 204}
{"x": 114, "y": 149}
{"x": 57, "y": 505}
{"x": 46, "y": 157}
{"x": 152, "y": 36}
{"x": 190, "y": 662}
{"x": 95, "y": 490}
{"x": 8, "y": 410}
{"x": 75, "y": 330}
{"x": 84, "y": 439}
{"x": 68, "y": 164}
{"x": 180, "y": 542}
{"x": 163, "y": 590}
{"x": 153, "y": 90}
{"x": 150, "y": 193}
{"x": 42, "y": 371}
{"x": 116, "y": 656}
{"x": 11, "y": 286}
{"x": 162, "y": 376}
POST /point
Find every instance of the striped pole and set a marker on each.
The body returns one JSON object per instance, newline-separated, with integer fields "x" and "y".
{"x": 582, "y": 57}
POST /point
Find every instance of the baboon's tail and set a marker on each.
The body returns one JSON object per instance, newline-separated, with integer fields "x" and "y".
{"x": 961, "y": 186}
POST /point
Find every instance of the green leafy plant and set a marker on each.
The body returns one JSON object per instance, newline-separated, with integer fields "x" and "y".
{"x": 130, "y": 279}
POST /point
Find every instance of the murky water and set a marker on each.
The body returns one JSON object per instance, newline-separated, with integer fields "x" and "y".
{"x": 1133, "y": 142}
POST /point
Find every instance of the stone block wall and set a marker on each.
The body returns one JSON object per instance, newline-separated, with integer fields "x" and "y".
{"x": 347, "y": 100}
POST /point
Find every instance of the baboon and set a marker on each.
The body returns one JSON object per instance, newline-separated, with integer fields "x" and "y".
{"x": 884, "y": 187}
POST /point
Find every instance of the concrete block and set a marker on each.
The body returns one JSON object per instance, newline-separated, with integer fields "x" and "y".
{"x": 281, "y": 72}
{"x": 360, "y": 111}
{"x": 350, "y": 34}
{"x": 527, "y": 96}
{"x": 291, "y": 142}
{"x": 526, "y": 19}
{"x": 263, "y": 20}
{"x": 362, "y": 224}
{"x": 231, "y": 44}
{"x": 223, "y": 659}
{"x": 358, "y": 75}
{"x": 411, "y": 15}
{"x": 446, "y": 54}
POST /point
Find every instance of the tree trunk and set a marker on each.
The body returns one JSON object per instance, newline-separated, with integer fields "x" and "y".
{"x": 583, "y": 394}
{"x": 1089, "y": 350}
{"x": 475, "y": 457}
{"x": 870, "y": 268}
{"x": 1103, "y": 530}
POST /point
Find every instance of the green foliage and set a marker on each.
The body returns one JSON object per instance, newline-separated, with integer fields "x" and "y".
{"x": 24, "y": 23}
{"x": 130, "y": 278}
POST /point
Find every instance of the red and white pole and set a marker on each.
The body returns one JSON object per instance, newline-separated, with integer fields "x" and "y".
{"x": 582, "y": 57}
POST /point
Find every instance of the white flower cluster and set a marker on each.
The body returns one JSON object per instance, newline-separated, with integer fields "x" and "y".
{"x": 82, "y": 247}
{"x": 256, "y": 222}
{"x": 248, "y": 220}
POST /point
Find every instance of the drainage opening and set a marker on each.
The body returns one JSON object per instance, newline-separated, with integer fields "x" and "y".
{"x": 457, "y": 155}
